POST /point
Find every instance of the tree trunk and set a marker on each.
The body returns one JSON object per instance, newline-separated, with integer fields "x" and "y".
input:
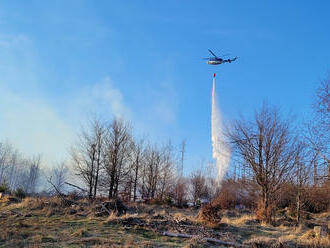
{"x": 91, "y": 185}
{"x": 112, "y": 180}
{"x": 298, "y": 209}
{"x": 135, "y": 180}
{"x": 315, "y": 173}
{"x": 267, "y": 207}
{"x": 97, "y": 174}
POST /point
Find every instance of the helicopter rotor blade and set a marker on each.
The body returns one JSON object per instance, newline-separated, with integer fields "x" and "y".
{"x": 212, "y": 53}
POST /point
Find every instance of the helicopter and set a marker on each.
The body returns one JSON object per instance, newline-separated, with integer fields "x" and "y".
{"x": 217, "y": 60}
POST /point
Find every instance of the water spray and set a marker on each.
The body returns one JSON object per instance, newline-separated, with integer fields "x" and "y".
{"x": 220, "y": 150}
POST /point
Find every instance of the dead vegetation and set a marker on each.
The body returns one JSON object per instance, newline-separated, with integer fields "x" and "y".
{"x": 43, "y": 222}
{"x": 210, "y": 214}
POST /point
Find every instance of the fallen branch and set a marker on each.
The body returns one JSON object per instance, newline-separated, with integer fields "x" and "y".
{"x": 104, "y": 208}
{"x": 212, "y": 240}
{"x": 65, "y": 201}
{"x": 75, "y": 186}
{"x": 15, "y": 212}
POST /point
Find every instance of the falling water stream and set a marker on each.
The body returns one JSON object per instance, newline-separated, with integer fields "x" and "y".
{"x": 220, "y": 150}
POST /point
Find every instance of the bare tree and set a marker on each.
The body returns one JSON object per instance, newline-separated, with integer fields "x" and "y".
{"x": 137, "y": 156}
{"x": 6, "y": 151}
{"x": 17, "y": 171}
{"x": 322, "y": 103}
{"x": 116, "y": 154}
{"x": 182, "y": 153}
{"x": 269, "y": 148}
{"x": 166, "y": 174}
{"x": 198, "y": 186}
{"x": 58, "y": 177}
{"x": 83, "y": 162}
{"x": 180, "y": 191}
{"x": 87, "y": 155}
{"x": 151, "y": 172}
{"x": 318, "y": 131}
{"x": 302, "y": 172}
{"x": 99, "y": 139}
{"x": 32, "y": 174}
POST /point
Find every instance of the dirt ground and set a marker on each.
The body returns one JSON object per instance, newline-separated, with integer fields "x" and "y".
{"x": 45, "y": 222}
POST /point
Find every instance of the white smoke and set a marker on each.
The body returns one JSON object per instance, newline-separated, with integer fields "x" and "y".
{"x": 221, "y": 151}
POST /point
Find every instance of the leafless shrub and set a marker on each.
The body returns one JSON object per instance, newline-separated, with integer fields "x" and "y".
{"x": 198, "y": 185}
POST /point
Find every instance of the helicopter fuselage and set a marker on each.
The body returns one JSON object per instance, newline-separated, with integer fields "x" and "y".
{"x": 214, "y": 62}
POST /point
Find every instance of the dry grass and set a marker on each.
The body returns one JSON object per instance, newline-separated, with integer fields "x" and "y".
{"x": 81, "y": 232}
{"x": 4, "y": 199}
{"x": 310, "y": 238}
{"x": 48, "y": 225}
{"x": 129, "y": 243}
{"x": 196, "y": 242}
{"x": 303, "y": 236}
{"x": 126, "y": 216}
{"x": 238, "y": 221}
{"x": 32, "y": 203}
{"x": 181, "y": 217}
{"x": 325, "y": 215}
{"x": 261, "y": 241}
{"x": 201, "y": 221}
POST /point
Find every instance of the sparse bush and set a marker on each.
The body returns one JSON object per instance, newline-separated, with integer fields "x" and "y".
{"x": 285, "y": 195}
{"x": 156, "y": 201}
{"x": 240, "y": 192}
{"x": 159, "y": 201}
{"x": 265, "y": 214}
{"x": 226, "y": 198}
{"x": 4, "y": 188}
{"x": 210, "y": 214}
{"x": 75, "y": 196}
{"x": 247, "y": 193}
{"x": 168, "y": 201}
{"x": 318, "y": 199}
{"x": 180, "y": 192}
{"x": 20, "y": 193}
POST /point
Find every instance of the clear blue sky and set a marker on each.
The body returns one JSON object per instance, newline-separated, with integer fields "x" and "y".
{"x": 61, "y": 60}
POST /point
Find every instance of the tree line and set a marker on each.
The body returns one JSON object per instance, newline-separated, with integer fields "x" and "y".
{"x": 275, "y": 164}
{"x": 112, "y": 163}
{"x": 17, "y": 171}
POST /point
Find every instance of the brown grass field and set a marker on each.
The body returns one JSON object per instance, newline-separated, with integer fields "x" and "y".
{"x": 43, "y": 222}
